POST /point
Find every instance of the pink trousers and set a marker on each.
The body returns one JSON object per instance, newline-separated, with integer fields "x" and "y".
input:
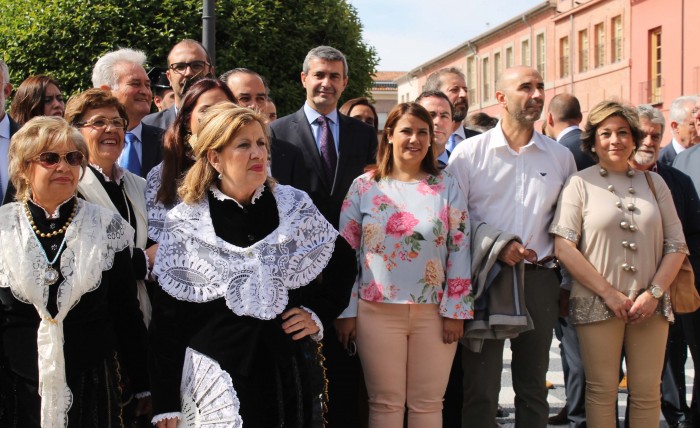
{"x": 405, "y": 363}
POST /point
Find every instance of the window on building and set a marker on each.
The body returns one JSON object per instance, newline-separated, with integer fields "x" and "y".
{"x": 564, "y": 57}
{"x": 485, "y": 79}
{"x": 655, "y": 78}
{"x": 582, "y": 51}
{"x": 471, "y": 78}
{"x": 496, "y": 66}
{"x": 509, "y": 57}
{"x": 616, "y": 45}
{"x": 540, "y": 54}
{"x": 599, "y": 32}
{"x": 525, "y": 53}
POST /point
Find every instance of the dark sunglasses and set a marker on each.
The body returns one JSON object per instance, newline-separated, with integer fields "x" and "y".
{"x": 51, "y": 159}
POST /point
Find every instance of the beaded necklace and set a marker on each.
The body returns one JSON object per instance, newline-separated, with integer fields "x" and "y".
{"x": 50, "y": 274}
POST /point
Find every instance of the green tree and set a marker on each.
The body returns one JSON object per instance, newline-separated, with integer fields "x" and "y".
{"x": 64, "y": 38}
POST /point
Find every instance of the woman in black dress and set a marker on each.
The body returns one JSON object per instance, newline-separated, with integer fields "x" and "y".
{"x": 68, "y": 307}
{"x": 250, "y": 272}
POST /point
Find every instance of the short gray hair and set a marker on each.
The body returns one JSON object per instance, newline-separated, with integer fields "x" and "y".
{"x": 103, "y": 72}
{"x": 677, "y": 112}
{"x": 326, "y": 53}
{"x": 4, "y": 72}
{"x": 434, "y": 81}
{"x": 652, "y": 114}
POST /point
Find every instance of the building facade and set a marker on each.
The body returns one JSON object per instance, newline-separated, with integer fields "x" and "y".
{"x": 636, "y": 51}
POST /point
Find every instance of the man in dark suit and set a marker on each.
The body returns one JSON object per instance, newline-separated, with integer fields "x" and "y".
{"x": 683, "y": 333}
{"x": 122, "y": 73}
{"x": 335, "y": 149}
{"x": 682, "y": 128}
{"x": 188, "y": 60}
{"x": 452, "y": 83}
{"x": 562, "y": 121}
{"x": 563, "y": 118}
{"x": 8, "y": 127}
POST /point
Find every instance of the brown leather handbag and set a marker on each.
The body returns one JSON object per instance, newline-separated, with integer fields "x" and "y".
{"x": 684, "y": 296}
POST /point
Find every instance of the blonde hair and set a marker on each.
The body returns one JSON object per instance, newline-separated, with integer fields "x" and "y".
{"x": 38, "y": 135}
{"x": 219, "y": 125}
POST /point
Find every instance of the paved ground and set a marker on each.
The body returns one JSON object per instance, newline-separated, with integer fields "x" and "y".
{"x": 557, "y": 396}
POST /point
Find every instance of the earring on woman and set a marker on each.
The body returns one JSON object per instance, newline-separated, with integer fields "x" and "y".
{"x": 592, "y": 149}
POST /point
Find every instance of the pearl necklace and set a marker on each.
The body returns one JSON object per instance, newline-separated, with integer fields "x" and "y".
{"x": 50, "y": 274}
{"x": 50, "y": 234}
{"x": 626, "y": 208}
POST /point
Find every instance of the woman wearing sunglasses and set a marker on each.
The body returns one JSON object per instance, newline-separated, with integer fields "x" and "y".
{"x": 67, "y": 291}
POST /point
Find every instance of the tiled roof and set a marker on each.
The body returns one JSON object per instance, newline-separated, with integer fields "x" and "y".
{"x": 384, "y": 80}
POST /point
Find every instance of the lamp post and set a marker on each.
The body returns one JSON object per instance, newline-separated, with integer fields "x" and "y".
{"x": 209, "y": 28}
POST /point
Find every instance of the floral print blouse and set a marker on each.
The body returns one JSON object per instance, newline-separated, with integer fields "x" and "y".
{"x": 412, "y": 243}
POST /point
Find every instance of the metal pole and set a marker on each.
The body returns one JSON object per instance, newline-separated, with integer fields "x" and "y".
{"x": 209, "y": 28}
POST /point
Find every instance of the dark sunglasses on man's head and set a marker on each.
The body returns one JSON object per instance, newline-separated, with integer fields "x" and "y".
{"x": 51, "y": 159}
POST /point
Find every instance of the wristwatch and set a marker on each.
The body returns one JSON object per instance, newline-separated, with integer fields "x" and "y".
{"x": 655, "y": 291}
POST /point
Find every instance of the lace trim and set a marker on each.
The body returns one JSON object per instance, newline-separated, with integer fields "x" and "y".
{"x": 221, "y": 196}
{"x": 584, "y": 310}
{"x": 565, "y": 232}
{"x": 164, "y": 416}
{"x": 207, "y": 394}
{"x": 195, "y": 265}
{"x": 156, "y": 211}
{"x": 118, "y": 172}
{"x": 675, "y": 247}
{"x": 92, "y": 240}
{"x": 319, "y": 335}
{"x": 141, "y": 395}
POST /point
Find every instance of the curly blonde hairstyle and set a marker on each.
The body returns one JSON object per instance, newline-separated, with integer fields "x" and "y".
{"x": 38, "y": 135}
{"x": 217, "y": 128}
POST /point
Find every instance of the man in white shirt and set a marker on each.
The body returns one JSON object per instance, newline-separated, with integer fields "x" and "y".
{"x": 511, "y": 177}
{"x": 7, "y": 128}
{"x": 122, "y": 73}
{"x": 682, "y": 128}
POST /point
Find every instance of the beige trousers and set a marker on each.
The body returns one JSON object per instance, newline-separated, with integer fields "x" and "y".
{"x": 601, "y": 347}
{"x": 405, "y": 363}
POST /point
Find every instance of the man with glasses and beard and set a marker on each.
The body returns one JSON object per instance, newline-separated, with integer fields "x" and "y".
{"x": 683, "y": 333}
{"x": 451, "y": 82}
{"x": 188, "y": 60}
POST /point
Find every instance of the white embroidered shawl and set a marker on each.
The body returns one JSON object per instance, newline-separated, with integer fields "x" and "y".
{"x": 92, "y": 240}
{"x": 193, "y": 264}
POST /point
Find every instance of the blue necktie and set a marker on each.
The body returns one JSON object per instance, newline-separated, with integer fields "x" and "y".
{"x": 131, "y": 161}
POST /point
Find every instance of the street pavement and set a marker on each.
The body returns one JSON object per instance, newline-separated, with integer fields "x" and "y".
{"x": 557, "y": 396}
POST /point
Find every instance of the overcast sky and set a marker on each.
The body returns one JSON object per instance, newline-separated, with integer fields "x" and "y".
{"x": 407, "y": 33}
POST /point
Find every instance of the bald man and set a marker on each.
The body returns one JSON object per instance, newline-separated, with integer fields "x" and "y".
{"x": 563, "y": 119}
{"x": 511, "y": 177}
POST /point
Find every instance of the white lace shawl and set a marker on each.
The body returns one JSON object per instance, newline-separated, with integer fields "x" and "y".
{"x": 156, "y": 210}
{"x": 195, "y": 265}
{"x": 92, "y": 240}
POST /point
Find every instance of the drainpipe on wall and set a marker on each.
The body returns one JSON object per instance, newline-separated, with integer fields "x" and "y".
{"x": 471, "y": 47}
{"x": 571, "y": 53}
{"x": 531, "y": 34}
{"x": 682, "y": 46}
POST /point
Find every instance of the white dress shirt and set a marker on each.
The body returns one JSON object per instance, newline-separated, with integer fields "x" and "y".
{"x": 4, "y": 147}
{"x": 566, "y": 131}
{"x": 677, "y": 146}
{"x": 516, "y": 192}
